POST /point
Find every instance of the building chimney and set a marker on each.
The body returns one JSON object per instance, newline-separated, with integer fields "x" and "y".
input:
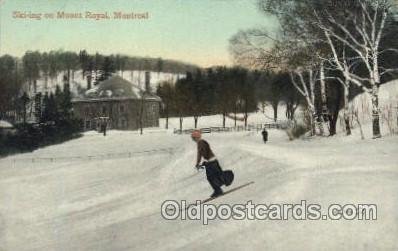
{"x": 147, "y": 81}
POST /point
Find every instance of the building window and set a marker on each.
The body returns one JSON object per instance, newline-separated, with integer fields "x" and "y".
{"x": 104, "y": 110}
{"x": 124, "y": 123}
{"x": 121, "y": 108}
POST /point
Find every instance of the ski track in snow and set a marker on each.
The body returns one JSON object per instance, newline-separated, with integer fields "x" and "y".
{"x": 114, "y": 204}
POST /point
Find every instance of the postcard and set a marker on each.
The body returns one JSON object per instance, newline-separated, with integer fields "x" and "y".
{"x": 198, "y": 125}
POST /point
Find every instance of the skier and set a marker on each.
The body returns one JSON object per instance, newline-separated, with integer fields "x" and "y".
{"x": 265, "y": 135}
{"x": 214, "y": 172}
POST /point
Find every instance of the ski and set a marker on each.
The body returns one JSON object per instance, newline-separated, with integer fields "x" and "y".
{"x": 225, "y": 193}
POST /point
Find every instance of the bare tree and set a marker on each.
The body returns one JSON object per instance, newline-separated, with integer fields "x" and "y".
{"x": 362, "y": 32}
{"x": 166, "y": 91}
{"x": 308, "y": 92}
{"x": 257, "y": 49}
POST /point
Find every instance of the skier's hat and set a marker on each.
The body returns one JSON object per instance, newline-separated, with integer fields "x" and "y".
{"x": 196, "y": 134}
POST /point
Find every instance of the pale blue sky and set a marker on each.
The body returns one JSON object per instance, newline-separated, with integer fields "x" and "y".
{"x": 195, "y": 31}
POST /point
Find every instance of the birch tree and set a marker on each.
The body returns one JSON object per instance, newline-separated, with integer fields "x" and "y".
{"x": 307, "y": 90}
{"x": 296, "y": 48}
{"x": 362, "y": 32}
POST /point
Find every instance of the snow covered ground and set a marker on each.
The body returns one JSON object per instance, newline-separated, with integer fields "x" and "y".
{"x": 105, "y": 193}
{"x": 388, "y": 105}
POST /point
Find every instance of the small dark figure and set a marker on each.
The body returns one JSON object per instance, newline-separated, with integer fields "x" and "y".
{"x": 265, "y": 135}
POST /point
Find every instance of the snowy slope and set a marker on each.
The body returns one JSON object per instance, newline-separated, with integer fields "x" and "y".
{"x": 112, "y": 202}
{"x": 388, "y": 105}
{"x": 105, "y": 193}
{"x": 135, "y": 77}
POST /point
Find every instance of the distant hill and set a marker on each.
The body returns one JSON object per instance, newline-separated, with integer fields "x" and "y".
{"x": 45, "y": 70}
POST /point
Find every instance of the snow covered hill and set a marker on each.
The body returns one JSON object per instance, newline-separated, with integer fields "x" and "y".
{"x": 388, "y": 105}
{"x": 78, "y": 82}
{"x": 105, "y": 193}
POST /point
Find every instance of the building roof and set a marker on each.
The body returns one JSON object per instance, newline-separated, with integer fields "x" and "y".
{"x": 116, "y": 88}
{"x": 5, "y": 124}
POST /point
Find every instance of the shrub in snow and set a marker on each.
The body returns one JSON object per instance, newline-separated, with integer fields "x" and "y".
{"x": 297, "y": 131}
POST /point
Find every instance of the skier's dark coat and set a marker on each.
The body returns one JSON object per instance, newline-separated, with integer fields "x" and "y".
{"x": 204, "y": 151}
{"x": 214, "y": 172}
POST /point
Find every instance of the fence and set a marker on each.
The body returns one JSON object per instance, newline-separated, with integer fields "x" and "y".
{"x": 93, "y": 157}
{"x": 257, "y": 127}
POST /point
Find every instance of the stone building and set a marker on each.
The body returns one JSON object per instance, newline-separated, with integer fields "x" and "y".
{"x": 120, "y": 104}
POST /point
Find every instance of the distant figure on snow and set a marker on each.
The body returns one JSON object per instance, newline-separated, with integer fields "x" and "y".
{"x": 103, "y": 126}
{"x": 214, "y": 172}
{"x": 265, "y": 135}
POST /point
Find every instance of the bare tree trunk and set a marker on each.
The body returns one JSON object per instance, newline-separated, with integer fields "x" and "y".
{"x": 68, "y": 74}
{"x": 312, "y": 102}
{"x": 324, "y": 119}
{"x": 275, "y": 108}
{"x": 375, "y": 112}
{"x": 323, "y": 91}
{"x": 313, "y": 122}
{"x": 46, "y": 82}
{"x": 235, "y": 115}
{"x": 141, "y": 130}
{"x": 181, "y": 120}
{"x": 167, "y": 118}
{"x": 139, "y": 79}
{"x": 309, "y": 95}
{"x": 293, "y": 111}
{"x": 223, "y": 120}
{"x": 142, "y": 114}
{"x": 288, "y": 110}
{"x": 333, "y": 121}
{"x": 196, "y": 121}
{"x": 89, "y": 79}
{"x": 346, "y": 110}
{"x": 24, "y": 112}
{"x": 35, "y": 86}
{"x": 370, "y": 31}
{"x": 246, "y": 114}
